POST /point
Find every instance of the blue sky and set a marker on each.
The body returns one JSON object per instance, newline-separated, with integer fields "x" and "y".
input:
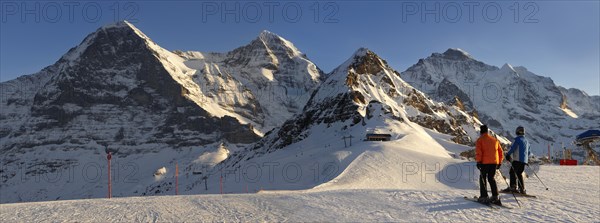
{"x": 558, "y": 39}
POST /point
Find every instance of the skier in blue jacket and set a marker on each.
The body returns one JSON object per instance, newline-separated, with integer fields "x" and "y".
{"x": 518, "y": 155}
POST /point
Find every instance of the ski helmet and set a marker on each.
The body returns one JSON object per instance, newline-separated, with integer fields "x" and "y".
{"x": 520, "y": 131}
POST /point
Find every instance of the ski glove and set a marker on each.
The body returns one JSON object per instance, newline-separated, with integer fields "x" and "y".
{"x": 508, "y": 158}
{"x": 498, "y": 166}
{"x": 479, "y": 166}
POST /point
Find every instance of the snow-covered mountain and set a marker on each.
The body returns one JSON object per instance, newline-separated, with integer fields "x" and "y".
{"x": 263, "y": 83}
{"x": 228, "y": 120}
{"x": 117, "y": 73}
{"x": 365, "y": 82}
{"x": 119, "y": 89}
{"x": 507, "y": 97}
{"x": 363, "y": 95}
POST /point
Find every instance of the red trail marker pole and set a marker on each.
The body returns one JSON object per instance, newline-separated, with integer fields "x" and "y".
{"x": 221, "y": 184}
{"x": 108, "y": 157}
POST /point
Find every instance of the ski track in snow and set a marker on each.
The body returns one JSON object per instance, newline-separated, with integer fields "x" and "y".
{"x": 564, "y": 202}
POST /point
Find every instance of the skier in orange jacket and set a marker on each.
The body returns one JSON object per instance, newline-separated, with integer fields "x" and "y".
{"x": 489, "y": 155}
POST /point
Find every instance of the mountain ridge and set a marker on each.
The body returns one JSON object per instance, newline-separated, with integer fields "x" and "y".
{"x": 361, "y": 86}
{"x": 506, "y": 97}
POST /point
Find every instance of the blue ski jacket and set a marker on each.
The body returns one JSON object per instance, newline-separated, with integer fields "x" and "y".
{"x": 519, "y": 150}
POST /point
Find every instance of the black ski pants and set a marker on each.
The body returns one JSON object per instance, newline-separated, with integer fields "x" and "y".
{"x": 487, "y": 172}
{"x": 516, "y": 173}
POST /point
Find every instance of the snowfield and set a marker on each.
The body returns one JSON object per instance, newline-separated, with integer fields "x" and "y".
{"x": 574, "y": 196}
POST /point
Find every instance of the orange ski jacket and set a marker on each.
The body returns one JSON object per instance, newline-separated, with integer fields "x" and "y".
{"x": 488, "y": 150}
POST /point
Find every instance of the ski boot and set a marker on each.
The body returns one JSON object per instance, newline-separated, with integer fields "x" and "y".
{"x": 483, "y": 200}
{"x": 510, "y": 190}
{"x": 495, "y": 200}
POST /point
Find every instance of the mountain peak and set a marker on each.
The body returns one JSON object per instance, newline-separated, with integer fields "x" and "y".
{"x": 361, "y": 52}
{"x": 364, "y": 55}
{"x": 119, "y": 24}
{"x": 266, "y": 34}
{"x": 508, "y": 67}
{"x": 456, "y": 54}
{"x": 273, "y": 41}
{"x": 363, "y": 61}
{"x": 124, "y": 24}
{"x": 119, "y": 30}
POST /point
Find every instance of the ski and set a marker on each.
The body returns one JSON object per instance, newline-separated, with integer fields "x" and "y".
{"x": 474, "y": 199}
{"x": 493, "y": 206}
{"x": 502, "y": 206}
{"x": 519, "y": 194}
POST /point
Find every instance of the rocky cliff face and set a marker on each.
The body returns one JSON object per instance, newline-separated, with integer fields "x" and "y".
{"x": 135, "y": 92}
{"x": 113, "y": 89}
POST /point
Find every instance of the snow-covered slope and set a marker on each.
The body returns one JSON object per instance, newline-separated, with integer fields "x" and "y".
{"x": 564, "y": 202}
{"x": 579, "y": 102}
{"x": 507, "y": 97}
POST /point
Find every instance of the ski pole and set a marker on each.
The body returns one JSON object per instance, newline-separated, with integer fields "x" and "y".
{"x": 519, "y": 183}
{"x": 512, "y": 192}
{"x": 537, "y": 177}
